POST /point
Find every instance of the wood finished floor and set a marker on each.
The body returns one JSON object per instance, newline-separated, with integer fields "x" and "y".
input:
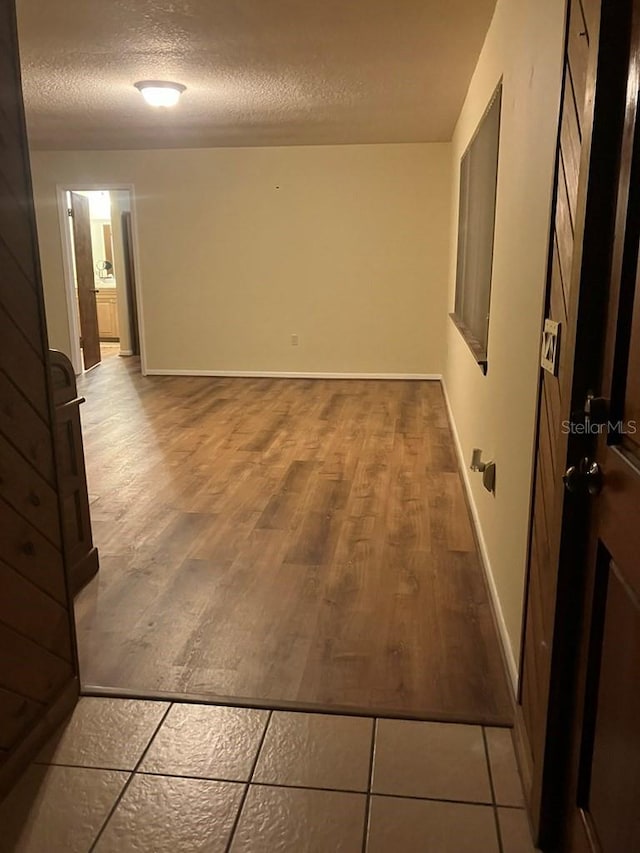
{"x": 300, "y": 541}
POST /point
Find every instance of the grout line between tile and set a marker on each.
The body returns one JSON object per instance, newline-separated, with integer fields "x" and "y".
{"x": 481, "y": 803}
{"x": 86, "y": 766}
{"x": 493, "y": 790}
{"x": 367, "y": 812}
{"x": 243, "y": 799}
{"x": 258, "y": 784}
{"x": 132, "y": 774}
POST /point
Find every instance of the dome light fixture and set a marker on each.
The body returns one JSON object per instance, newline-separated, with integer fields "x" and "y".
{"x": 160, "y": 93}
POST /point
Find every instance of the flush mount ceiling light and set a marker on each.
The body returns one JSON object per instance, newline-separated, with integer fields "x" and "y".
{"x": 160, "y": 93}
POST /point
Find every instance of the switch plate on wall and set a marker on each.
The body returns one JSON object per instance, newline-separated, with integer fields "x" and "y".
{"x": 294, "y": 340}
{"x": 550, "y": 346}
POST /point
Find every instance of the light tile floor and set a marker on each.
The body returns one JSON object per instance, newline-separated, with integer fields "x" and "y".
{"x": 125, "y": 775}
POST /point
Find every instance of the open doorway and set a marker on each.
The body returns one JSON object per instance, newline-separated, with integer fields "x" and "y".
{"x": 100, "y": 271}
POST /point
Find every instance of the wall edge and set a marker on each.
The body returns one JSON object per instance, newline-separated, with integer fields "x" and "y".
{"x": 503, "y": 633}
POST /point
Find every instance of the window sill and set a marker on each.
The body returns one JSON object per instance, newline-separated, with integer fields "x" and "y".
{"x": 477, "y": 350}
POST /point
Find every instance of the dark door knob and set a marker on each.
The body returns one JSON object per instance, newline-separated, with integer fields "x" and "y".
{"x": 584, "y": 478}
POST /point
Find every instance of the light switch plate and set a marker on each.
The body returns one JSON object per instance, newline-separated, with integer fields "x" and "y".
{"x": 550, "y": 346}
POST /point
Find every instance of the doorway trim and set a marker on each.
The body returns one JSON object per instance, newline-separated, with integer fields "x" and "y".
{"x": 67, "y": 264}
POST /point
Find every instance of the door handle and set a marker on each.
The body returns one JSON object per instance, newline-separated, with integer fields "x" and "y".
{"x": 95, "y": 290}
{"x": 584, "y": 478}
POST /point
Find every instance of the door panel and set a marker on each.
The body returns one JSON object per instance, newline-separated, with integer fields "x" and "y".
{"x": 603, "y": 814}
{"x": 17, "y": 714}
{"x": 21, "y": 363}
{"x": 85, "y": 280}
{"x": 615, "y": 764}
{"x": 38, "y": 658}
{"x": 33, "y": 614}
{"x": 578, "y": 53}
{"x": 632, "y": 396}
{"x": 29, "y": 669}
{"x": 568, "y": 226}
{"x": 590, "y": 133}
{"x": 127, "y": 245}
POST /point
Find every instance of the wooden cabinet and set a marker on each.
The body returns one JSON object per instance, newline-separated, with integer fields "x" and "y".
{"x": 107, "y": 303}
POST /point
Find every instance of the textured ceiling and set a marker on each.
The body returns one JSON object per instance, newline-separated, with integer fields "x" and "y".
{"x": 258, "y": 72}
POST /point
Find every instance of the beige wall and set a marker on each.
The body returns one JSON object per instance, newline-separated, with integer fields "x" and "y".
{"x": 497, "y": 412}
{"x": 345, "y": 246}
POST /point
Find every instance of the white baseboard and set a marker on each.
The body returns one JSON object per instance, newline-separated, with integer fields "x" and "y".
{"x": 277, "y": 374}
{"x": 125, "y": 352}
{"x": 484, "y": 553}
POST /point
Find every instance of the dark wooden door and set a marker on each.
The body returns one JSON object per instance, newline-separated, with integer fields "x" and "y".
{"x": 130, "y": 272}
{"x": 590, "y": 129}
{"x": 85, "y": 280}
{"x": 555, "y": 406}
{"x": 38, "y": 660}
{"x": 604, "y": 811}
{"x": 590, "y": 135}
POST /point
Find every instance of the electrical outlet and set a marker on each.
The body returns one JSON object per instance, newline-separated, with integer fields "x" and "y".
{"x": 294, "y": 340}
